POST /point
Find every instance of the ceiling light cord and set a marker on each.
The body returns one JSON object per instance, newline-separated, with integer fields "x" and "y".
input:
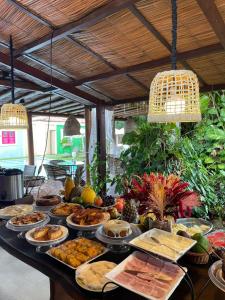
{"x": 174, "y": 35}
{"x": 12, "y": 70}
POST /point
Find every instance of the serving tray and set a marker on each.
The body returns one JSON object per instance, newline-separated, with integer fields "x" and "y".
{"x": 71, "y": 267}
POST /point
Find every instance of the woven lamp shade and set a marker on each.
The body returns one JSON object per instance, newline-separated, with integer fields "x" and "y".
{"x": 71, "y": 126}
{"x": 13, "y": 116}
{"x": 174, "y": 97}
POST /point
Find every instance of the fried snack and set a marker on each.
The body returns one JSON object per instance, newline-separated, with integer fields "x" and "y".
{"x": 89, "y": 216}
{"x": 66, "y": 209}
{"x": 77, "y": 252}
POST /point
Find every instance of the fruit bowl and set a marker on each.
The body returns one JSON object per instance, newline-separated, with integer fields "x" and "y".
{"x": 198, "y": 258}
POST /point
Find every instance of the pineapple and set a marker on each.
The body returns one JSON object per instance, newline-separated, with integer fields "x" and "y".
{"x": 77, "y": 190}
{"x": 130, "y": 213}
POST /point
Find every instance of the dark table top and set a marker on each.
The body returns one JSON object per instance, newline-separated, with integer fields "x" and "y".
{"x": 61, "y": 273}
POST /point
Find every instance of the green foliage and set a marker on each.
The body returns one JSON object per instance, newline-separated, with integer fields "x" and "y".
{"x": 98, "y": 183}
{"x": 197, "y": 154}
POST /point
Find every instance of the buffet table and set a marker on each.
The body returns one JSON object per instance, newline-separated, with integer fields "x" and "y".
{"x": 62, "y": 279}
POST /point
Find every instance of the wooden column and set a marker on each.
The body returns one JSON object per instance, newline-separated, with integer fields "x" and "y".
{"x": 101, "y": 143}
{"x": 30, "y": 140}
{"x": 87, "y": 140}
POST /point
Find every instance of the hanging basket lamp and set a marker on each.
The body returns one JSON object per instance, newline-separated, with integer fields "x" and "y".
{"x": 174, "y": 94}
{"x": 13, "y": 116}
{"x": 71, "y": 126}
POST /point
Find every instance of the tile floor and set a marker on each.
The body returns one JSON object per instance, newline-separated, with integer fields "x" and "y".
{"x": 19, "y": 281}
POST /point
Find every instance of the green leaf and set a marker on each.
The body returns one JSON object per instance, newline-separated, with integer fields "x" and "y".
{"x": 204, "y": 103}
{"x": 209, "y": 160}
{"x": 212, "y": 111}
{"x": 221, "y": 166}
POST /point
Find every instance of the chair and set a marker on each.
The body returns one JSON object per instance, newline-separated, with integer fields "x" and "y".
{"x": 55, "y": 172}
{"x": 29, "y": 170}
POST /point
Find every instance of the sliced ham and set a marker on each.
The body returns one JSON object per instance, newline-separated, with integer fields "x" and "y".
{"x": 147, "y": 288}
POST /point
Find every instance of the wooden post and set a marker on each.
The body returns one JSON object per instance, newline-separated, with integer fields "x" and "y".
{"x": 87, "y": 140}
{"x": 101, "y": 143}
{"x": 30, "y": 140}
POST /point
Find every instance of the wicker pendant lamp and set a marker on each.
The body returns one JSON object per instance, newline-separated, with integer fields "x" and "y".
{"x": 71, "y": 126}
{"x": 174, "y": 94}
{"x": 13, "y": 116}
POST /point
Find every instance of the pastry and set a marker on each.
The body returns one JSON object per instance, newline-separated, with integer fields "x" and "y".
{"x": 77, "y": 252}
{"x": 46, "y": 233}
{"x": 40, "y": 233}
{"x": 49, "y": 200}
{"x": 66, "y": 209}
{"x": 89, "y": 216}
{"x": 54, "y": 232}
{"x": 117, "y": 228}
{"x": 28, "y": 219}
{"x": 93, "y": 275}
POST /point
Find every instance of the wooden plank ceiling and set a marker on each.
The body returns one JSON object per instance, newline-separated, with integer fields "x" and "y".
{"x": 105, "y": 52}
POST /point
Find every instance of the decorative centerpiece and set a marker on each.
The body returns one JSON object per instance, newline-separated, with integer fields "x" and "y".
{"x": 158, "y": 199}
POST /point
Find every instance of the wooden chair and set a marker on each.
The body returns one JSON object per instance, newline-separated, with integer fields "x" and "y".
{"x": 55, "y": 172}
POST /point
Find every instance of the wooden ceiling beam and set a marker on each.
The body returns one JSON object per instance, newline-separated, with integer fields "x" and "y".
{"x": 46, "y": 114}
{"x": 45, "y": 103}
{"x": 215, "y": 48}
{"x": 151, "y": 28}
{"x": 76, "y": 109}
{"x": 214, "y": 18}
{"x": 207, "y": 88}
{"x": 89, "y": 20}
{"x": 22, "y": 85}
{"x": 62, "y": 106}
{"x": 83, "y": 97}
{"x": 59, "y": 107}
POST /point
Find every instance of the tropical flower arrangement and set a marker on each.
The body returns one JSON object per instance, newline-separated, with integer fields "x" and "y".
{"x": 162, "y": 195}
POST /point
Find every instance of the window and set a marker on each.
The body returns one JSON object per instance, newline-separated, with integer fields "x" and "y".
{"x": 8, "y": 137}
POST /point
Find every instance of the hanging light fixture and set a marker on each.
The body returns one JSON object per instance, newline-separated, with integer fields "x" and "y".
{"x": 174, "y": 95}
{"x": 13, "y": 116}
{"x": 71, "y": 126}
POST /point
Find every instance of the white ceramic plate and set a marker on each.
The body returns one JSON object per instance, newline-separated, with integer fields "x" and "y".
{"x": 15, "y": 210}
{"x": 22, "y": 225}
{"x": 215, "y": 274}
{"x": 86, "y": 227}
{"x": 144, "y": 242}
{"x": 22, "y": 228}
{"x": 86, "y": 266}
{"x": 119, "y": 268}
{"x": 32, "y": 241}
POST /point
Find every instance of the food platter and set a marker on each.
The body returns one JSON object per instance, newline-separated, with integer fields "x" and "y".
{"x": 93, "y": 227}
{"x": 215, "y": 274}
{"x": 118, "y": 245}
{"x": 31, "y": 240}
{"x": 163, "y": 244}
{"x": 25, "y": 227}
{"x": 15, "y": 210}
{"x": 194, "y": 225}
{"x": 87, "y": 284}
{"x": 62, "y": 210}
{"x": 83, "y": 240}
{"x": 134, "y": 273}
